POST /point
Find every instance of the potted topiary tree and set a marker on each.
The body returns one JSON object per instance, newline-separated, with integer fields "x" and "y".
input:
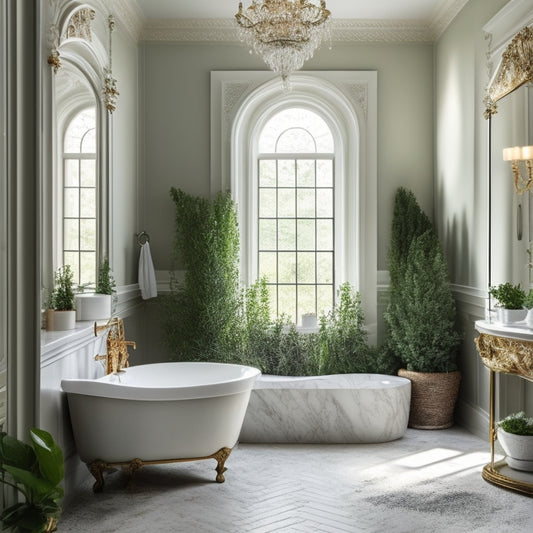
{"x": 515, "y": 434}
{"x": 421, "y": 318}
{"x": 61, "y": 315}
{"x": 511, "y": 302}
{"x": 97, "y": 305}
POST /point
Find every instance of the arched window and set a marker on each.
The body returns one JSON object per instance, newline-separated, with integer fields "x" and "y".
{"x": 79, "y": 196}
{"x": 295, "y": 241}
{"x": 302, "y": 168}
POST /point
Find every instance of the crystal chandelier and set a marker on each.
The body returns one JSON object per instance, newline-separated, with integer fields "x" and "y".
{"x": 285, "y": 33}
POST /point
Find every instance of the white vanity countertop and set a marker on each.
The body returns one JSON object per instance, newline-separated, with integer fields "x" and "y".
{"x": 518, "y": 330}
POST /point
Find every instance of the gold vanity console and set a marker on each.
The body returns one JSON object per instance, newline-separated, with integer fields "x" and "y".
{"x": 508, "y": 353}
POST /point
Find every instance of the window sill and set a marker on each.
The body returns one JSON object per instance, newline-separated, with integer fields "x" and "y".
{"x": 58, "y": 344}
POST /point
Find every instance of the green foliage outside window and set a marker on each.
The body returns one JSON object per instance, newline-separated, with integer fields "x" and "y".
{"x": 210, "y": 317}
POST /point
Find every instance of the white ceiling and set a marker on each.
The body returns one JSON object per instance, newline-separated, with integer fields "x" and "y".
{"x": 423, "y": 10}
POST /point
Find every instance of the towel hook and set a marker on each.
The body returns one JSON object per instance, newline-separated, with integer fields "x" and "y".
{"x": 142, "y": 238}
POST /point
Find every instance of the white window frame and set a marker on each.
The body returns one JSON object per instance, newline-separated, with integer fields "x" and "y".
{"x": 242, "y": 102}
{"x": 76, "y": 156}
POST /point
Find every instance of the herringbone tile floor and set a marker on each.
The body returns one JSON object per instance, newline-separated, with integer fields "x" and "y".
{"x": 429, "y": 481}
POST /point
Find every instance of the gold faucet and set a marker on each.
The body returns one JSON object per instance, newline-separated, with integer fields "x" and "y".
{"x": 117, "y": 346}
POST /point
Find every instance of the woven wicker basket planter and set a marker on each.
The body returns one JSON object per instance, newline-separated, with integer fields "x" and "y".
{"x": 433, "y": 397}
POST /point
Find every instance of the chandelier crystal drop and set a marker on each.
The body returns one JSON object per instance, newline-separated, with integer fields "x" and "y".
{"x": 285, "y": 33}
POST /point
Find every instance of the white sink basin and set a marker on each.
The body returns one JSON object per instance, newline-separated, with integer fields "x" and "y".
{"x": 518, "y": 330}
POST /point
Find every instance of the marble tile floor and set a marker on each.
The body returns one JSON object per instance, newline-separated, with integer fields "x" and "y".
{"x": 428, "y": 481}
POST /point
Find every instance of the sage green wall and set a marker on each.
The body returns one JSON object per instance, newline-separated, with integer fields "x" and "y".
{"x": 124, "y": 218}
{"x": 460, "y": 141}
{"x": 176, "y": 123}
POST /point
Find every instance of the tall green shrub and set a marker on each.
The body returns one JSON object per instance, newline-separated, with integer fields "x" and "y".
{"x": 421, "y": 311}
{"x": 202, "y": 314}
{"x": 408, "y": 222}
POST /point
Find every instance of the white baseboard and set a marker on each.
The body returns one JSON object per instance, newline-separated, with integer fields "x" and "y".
{"x": 472, "y": 418}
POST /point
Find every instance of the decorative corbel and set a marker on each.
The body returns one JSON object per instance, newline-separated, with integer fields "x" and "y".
{"x": 53, "y": 42}
{"x": 110, "y": 83}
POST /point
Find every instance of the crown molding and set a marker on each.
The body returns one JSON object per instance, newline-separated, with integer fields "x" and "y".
{"x": 394, "y": 31}
{"x": 443, "y": 15}
{"x": 130, "y": 16}
{"x": 342, "y": 30}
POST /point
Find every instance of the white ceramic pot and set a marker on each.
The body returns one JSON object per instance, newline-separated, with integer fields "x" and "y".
{"x": 60, "y": 320}
{"x": 92, "y": 306}
{"x": 309, "y": 320}
{"x": 510, "y": 316}
{"x": 518, "y": 448}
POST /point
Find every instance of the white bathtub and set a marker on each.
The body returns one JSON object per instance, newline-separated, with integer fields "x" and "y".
{"x": 159, "y": 413}
{"x": 343, "y": 408}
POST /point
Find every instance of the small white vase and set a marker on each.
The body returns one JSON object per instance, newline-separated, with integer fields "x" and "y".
{"x": 92, "y": 306}
{"x": 60, "y": 320}
{"x": 510, "y": 316}
{"x": 518, "y": 448}
{"x": 529, "y": 318}
{"x": 309, "y": 320}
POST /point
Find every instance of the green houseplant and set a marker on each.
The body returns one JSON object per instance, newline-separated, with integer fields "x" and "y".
{"x": 61, "y": 314}
{"x": 97, "y": 305}
{"x": 35, "y": 471}
{"x": 421, "y": 316}
{"x": 515, "y": 434}
{"x": 344, "y": 340}
{"x": 511, "y": 302}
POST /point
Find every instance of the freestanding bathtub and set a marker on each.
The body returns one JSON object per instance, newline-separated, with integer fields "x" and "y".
{"x": 158, "y": 413}
{"x": 342, "y": 408}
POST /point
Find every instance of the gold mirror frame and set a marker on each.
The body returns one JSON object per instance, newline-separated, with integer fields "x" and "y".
{"x": 515, "y": 70}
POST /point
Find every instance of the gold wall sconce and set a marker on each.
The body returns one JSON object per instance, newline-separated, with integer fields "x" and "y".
{"x": 520, "y": 156}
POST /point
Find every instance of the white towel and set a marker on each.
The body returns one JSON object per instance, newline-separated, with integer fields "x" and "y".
{"x": 147, "y": 282}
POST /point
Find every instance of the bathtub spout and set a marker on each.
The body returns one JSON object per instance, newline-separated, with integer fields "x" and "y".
{"x": 117, "y": 347}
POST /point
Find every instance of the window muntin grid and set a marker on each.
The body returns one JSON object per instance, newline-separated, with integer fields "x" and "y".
{"x": 79, "y": 197}
{"x": 296, "y": 213}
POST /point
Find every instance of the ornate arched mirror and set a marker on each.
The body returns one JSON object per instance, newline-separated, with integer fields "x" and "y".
{"x": 83, "y": 97}
{"x": 509, "y": 110}
{"x": 505, "y": 349}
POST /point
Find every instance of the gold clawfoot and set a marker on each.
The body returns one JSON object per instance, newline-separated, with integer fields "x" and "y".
{"x": 97, "y": 468}
{"x": 221, "y": 456}
{"x": 133, "y": 466}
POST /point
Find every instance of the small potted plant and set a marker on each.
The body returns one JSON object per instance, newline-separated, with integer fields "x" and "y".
{"x": 511, "y": 299}
{"x": 35, "y": 472}
{"x": 61, "y": 314}
{"x": 97, "y": 305}
{"x": 515, "y": 434}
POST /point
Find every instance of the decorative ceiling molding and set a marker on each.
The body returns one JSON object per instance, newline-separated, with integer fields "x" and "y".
{"x": 350, "y": 30}
{"x": 342, "y": 30}
{"x": 130, "y": 16}
{"x": 444, "y": 14}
